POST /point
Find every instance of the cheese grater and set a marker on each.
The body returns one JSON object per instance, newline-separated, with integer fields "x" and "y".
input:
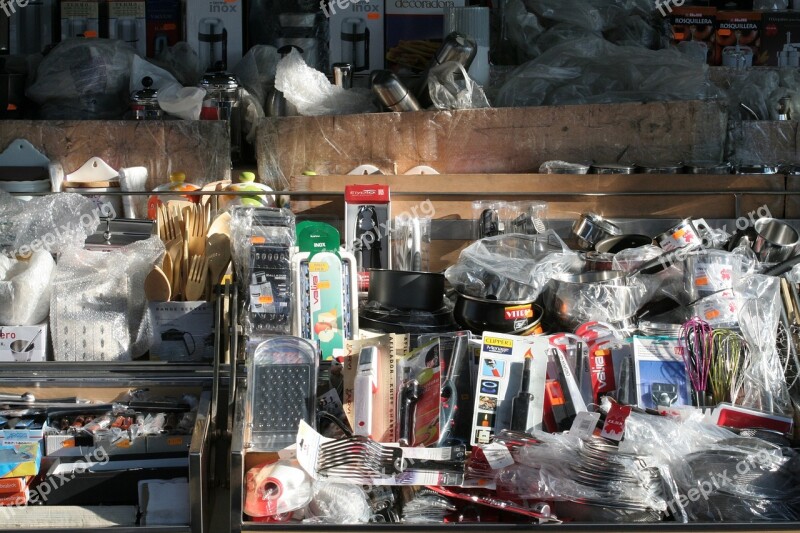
{"x": 281, "y": 386}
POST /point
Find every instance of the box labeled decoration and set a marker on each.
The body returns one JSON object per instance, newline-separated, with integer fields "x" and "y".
{"x": 23, "y": 344}
{"x": 694, "y": 24}
{"x": 20, "y": 460}
{"x": 660, "y": 373}
{"x": 127, "y": 22}
{"x": 414, "y": 31}
{"x": 780, "y": 38}
{"x": 214, "y": 29}
{"x": 511, "y": 381}
{"x": 163, "y": 25}
{"x": 183, "y": 331}
{"x": 356, "y": 34}
{"x": 80, "y": 19}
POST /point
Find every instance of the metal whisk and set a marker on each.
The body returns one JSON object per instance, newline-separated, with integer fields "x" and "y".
{"x": 696, "y": 343}
{"x": 727, "y": 353}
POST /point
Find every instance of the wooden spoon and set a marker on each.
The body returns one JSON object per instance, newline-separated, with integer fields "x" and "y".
{"x": 156, "y": 286}
{"x": 221, "y": 224}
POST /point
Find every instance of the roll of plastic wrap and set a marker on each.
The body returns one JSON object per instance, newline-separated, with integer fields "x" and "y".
{"x": 276, "y": 488}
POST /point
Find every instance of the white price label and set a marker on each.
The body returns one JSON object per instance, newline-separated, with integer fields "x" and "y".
{"x": 584, "y": 425}
{"x": 497, "y": 456}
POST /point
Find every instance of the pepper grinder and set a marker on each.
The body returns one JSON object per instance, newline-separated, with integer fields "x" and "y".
{"x": 277, "y": 104}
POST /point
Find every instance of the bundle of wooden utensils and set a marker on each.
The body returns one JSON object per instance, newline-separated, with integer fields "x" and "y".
{"x": 197, "y": 253}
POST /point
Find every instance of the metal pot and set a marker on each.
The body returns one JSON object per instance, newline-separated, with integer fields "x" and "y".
{"x": 401, "y": 289}
{"x": 596, "y": 261}
{"x": 708, "y": 168}
{"x": 618, "y": 243}
{"x": 612, "y": 168}
{"x": 482, "y": 314}
{"x": 683, "y": 235}
{"x": 659, "y": 169}
{"x": 775, "y": 240}
{"x": 591, "y": 228}
{"x": 144, "y": 103}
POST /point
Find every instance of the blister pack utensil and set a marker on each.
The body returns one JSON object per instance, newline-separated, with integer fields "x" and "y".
{"x": 281, "y": 386}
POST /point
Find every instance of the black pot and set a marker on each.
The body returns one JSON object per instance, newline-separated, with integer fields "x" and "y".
{"x": 618, "y": 243}
{"x": 401, "y": 289}
{"x": 481, "y": 314}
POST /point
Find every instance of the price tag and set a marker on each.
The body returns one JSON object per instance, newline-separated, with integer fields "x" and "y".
{"x": 614, "y": 428}
{"x": 497, "y": 455}
{"x": 331, "y": 403}
{"x": 584, "y": 424}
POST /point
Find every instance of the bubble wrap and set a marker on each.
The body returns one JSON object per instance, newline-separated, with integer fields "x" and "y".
{"x": 52, "y": 222}
{"x": 98, "y": 307}
{"x": 25, "y": 289}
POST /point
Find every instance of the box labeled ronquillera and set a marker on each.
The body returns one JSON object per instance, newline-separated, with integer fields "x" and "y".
{"x": 23, "y": 344}
{"x": 737, "y": 39}
{"x": 696, "y": 25}
{"x": 127, "y": 23}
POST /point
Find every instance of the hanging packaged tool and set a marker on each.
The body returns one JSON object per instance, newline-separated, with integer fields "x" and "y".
{"x": 263, "y": 240}
{"x": 282, "y": 381}
{"x": 325, "y": 280}
{"x": 366, "y": 226}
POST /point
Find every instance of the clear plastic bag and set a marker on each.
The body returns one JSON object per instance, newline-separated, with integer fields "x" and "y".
{"x": 312, "y": 94}
{"x": 591, "y": 70}
{"x": 256, "y": 71}
{"x": 98, "y": 309}
{"x": 182, "y": 62}
{"x": 337, "y": 503}
{"x": 511, "y": 267}
{"x": 450, "y": 87}
{"x": 83, "y": 79}
{"x": 276, "y": 488}
{"x": 594, "y": 15}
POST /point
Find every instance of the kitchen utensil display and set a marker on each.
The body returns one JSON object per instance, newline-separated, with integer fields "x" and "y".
{"x": 406, "y": 290}
{"x": 213, "y": 37}
{"x": 481, "y": 314}
{"x": 775, "y": 241}
{"x": 281, "y": 384}
{"x": 591, "y": 228}
{"x": 391, "y": 91}
{"x": 224, "y": 96}
{"x": 355, "y": 43}
{"x": 696, "y": 342}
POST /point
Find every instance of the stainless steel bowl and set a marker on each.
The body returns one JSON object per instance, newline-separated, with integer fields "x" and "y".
{"x": 776, "y": 240}
{"x": 591, "y": 228}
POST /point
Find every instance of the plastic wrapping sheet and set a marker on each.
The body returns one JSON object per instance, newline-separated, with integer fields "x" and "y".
{"x": 182, "y": 62}
{"x": 256, "y": 71}
{"x": 337, "y": 503}
{"x": 199, "y": 148}
{"x": 98, "y": 309}
{"x": 511, "y": 267}
{"x": 593, "y": 70}
{"x": 522, "y": 28}
{"x": 52, "y": 222}
{"x": 311, "y": 92}
{"x": 636, "y": 30}
{"x": 594, "y": 15}
{"x": 83, "y": 79}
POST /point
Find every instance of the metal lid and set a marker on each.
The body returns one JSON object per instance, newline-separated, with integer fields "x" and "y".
{"x": 392, "y": 92}
{"x": 756, "y": 169}
{"x": 612, "y": 168}
{"x": 708, "y": 167}
{"x": 219, "y": 80}
{"x": 660, "y": 169}
{"x": 457, "y": 47}
{"x": 147, "y": 96}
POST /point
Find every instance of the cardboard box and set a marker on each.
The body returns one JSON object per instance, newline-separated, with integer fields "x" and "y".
{"x": 183, "y": 331}
{"x": 741, "y": 26}
{"x": 127, "y": 22}
{"x": 23, "y": 436}
{"x": 31, "y": 29}
{"x": 414, "y": 31}
{"x": 214, "y": 30}
{"x": 780, "y": 38}
{"x": 20, "y": 460}
{"x": 15, "y": 338}
{"x": 80, "y": 19}
{"x": 163, "y": 21}
{"x": 356, "y": 34}
{"x": 693, "y": 24}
